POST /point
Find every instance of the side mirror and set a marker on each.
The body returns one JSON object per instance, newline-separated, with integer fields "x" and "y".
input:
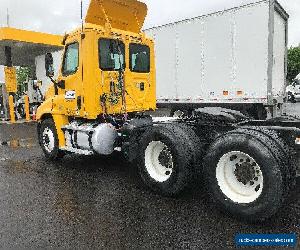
{"x": 49, "y": 65}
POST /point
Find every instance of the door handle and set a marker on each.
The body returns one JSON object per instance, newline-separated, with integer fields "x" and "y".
{"x": 141, "y": 86}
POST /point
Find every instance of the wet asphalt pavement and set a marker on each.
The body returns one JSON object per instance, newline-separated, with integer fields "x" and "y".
{"x": 88, "y": 202}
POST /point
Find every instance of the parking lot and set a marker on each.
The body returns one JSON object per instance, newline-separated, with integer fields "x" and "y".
{"x": 87, "y": 202}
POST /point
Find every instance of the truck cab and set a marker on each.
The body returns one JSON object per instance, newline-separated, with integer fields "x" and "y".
{"x": 107, "y": 69}
{"x": 92, "y": 68}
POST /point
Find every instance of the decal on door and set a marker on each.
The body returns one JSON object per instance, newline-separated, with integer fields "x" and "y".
{"x": 70, "y": 95}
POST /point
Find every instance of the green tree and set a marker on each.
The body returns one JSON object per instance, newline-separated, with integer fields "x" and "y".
{"x": 23, "y": 73}
{"x": 293, "y": 63}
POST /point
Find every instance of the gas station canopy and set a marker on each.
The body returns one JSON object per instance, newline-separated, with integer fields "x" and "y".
{"x": 26, "y": 45}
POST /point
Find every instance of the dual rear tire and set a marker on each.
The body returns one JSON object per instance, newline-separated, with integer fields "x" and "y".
{"x": 249, "y": 173}
{"x": 167, "y": 157}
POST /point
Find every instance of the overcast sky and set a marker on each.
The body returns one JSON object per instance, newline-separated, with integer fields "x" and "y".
{"x": 59, "y": 16}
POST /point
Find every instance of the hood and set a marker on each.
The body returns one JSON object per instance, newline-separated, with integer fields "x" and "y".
{"x": 126, "y": 15}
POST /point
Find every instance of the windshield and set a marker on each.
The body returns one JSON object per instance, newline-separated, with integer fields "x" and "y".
{"x": 71, "y": 62}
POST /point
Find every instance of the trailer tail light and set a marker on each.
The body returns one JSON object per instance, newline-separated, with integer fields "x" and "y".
{"x": 225, "y": 93}
{"x": 297, "y": 141}
{"x": 239, "y": 92}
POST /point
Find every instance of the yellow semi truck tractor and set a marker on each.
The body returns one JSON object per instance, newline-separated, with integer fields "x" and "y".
{"x": 99, "y": 105}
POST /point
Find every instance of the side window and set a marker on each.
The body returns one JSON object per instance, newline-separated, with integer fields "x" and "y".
{"x": 71, "y": 59}
{"x": 139, "y": 58}
{"x": 111, "y": 54}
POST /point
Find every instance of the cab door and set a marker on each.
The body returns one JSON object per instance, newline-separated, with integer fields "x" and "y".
{"x": 71, "y": 77}
{"x": 112, "y": 65}
{"x": 138, "y": 80}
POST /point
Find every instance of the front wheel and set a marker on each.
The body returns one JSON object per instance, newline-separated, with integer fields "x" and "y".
{"x": 48, "y": 140}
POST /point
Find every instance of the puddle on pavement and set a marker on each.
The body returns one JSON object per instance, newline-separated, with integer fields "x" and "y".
{"x": 19, "y": 143}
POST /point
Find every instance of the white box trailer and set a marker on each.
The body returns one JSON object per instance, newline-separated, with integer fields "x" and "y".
{"x": 232, "y": 58}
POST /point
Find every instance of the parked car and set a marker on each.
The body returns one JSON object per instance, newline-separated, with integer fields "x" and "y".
{"x": 293, "y": 91}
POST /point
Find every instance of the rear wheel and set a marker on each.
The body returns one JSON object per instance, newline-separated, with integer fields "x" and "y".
{"x": 48, "y": 140}
{"x": 246, "y": 174}
{"x": 167, "y": 157}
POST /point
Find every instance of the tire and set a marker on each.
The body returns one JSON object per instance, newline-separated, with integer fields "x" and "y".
{"x": 287, "y": 158}
{"x": 167, "y": 157}
{"x": 256, "y": 194}
{"x": 48, "y": 140}
{"x": 291, "y": 97}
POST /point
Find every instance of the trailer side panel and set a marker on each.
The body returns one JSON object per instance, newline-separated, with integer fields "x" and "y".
{"x": 218, "y": 58}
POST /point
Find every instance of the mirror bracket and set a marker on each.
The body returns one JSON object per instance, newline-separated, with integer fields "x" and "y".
{"x": 61, "y": 84}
